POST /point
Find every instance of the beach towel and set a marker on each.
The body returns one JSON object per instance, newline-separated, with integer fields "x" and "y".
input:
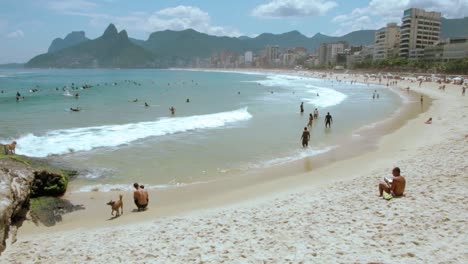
{"x": 387, "y": 196}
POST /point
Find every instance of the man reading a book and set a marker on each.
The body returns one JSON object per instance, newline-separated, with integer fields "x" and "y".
{"x": 394, "y": 185}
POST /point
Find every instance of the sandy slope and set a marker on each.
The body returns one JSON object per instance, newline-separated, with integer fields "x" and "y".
{"x": 344, "y": 221}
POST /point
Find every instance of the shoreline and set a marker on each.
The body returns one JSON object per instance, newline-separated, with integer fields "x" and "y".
{"x": 404, "y": 143}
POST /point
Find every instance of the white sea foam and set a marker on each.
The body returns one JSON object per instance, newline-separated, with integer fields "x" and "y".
{"x": 85, "y": 139}
{"x": 300, "y": 154}
{"x": 327, "y": 97}
{"x": 129, "y": 187}
{"x": 116, "y": 187}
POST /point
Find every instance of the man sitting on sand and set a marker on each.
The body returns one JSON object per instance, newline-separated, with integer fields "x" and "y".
{"x": 395, "y": 185}
{"x": 140, "y": 195}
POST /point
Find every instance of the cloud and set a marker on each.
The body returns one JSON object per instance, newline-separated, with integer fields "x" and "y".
{"x": 293, "y": 8}
{"x": 15, "y": 34}
{"x": 174, "y": 18}
{"x": 184, "y": 17}
{"x": 380, "y": 12}
{"x": 71, "y": 5}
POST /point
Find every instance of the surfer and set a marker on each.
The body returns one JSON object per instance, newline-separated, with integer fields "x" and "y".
{"x": 75, "y": 109}
{"x": 146, "y": 104}
{"x": 188, "y": 100}
{"x": 172, "y": 109}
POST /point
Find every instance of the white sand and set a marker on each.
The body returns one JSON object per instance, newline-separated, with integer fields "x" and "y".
{"x": 344, "y": 221}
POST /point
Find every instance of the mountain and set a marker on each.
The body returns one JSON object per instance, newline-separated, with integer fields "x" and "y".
{"x": 76, "y": 37}
{"x": 178, "y": 48}
{"x": 457, "y": 27}
{"x": 112, "y": 50}
{"x": 187, "y": 44}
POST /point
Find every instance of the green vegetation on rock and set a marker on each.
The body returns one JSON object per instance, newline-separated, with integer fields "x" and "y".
{"x": 49, "y": 210}
{"x": 48, "y": 184}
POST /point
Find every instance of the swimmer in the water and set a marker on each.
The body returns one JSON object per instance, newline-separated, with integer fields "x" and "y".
{"x": 311, "y": 119}
{"x": 172, "y": 109}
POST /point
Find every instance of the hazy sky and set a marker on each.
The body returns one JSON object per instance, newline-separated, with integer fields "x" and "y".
{"x": 27, "y": 27}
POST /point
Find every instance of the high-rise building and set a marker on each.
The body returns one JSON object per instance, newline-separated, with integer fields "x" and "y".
{"x": 387, "y": 42}
{"x": 450, "y": 49}
{"x": 328, "y": 52}
{"x": 248, "y": 57}
{"x": 272, "y": 53}
{"x": 419, "y": 29}
{"x": 322, "y": 54}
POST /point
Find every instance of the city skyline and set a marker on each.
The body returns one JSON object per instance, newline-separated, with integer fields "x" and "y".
{"x": 27, "y": 27}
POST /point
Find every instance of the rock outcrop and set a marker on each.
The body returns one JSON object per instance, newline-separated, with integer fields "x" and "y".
{"x": 22, "y": 178}
{"x": 15, "y": 182}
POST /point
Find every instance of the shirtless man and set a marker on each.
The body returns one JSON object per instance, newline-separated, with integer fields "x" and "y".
{"x": 140, "y": 196}
{"x": 396, "y": 187}
{"x": 305, "y": 137}
{"x": 328, "y": 120}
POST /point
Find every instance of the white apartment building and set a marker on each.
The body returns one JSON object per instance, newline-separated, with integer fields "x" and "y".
{"x": 419, "y": 29}
{"x": 248, "y": 56}
{"x": 387, "y": 42}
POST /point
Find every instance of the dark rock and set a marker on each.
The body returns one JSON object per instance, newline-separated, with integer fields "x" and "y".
{"x": 49, "y": 210}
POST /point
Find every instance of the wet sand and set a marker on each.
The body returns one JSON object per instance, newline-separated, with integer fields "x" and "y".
{"x": 297, "y": 212}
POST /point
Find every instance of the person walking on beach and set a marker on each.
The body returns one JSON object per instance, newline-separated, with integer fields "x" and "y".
{"x": 328, "y": 120}
{"x": 315, "y": 113}
{"x": 305, "y": 137}
{"x": 302, "y": 107}
{"x": 395, "y": 185}
{"x": 140, "y": 196}
{"x": 311, "y": 119}
{"x": 463, "y": 90}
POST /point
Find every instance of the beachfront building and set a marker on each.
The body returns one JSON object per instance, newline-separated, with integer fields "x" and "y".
{"x": 328, "y": 52}
{"x": 449, "y": 49}
{"x": 387, "y": 42}
{"x": 359, "y": 54}
{"x": 419, "y": 29}
{"x": 272, "y": 54}
{"x": 248, "y": 57}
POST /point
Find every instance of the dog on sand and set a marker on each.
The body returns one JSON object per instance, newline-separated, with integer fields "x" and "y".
{"x": 115, "y": 205}
{"x": 10, "y": 148}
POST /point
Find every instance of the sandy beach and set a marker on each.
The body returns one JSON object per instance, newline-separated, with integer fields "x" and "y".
{"x": 328, "y": 215}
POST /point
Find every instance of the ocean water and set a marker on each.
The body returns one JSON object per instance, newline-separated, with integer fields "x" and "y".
{"x": 233, "y": 123}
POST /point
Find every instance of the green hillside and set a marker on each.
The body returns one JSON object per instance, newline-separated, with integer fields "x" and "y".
{"x": 111, "y": 50}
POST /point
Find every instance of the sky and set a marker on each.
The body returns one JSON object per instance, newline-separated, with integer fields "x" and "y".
{"x": 27, "y": 27}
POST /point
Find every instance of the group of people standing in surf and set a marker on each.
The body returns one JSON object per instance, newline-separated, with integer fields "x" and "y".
{"x": 305, "y": 138}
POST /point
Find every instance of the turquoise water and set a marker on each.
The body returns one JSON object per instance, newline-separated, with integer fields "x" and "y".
{"x": 234, "y": 122}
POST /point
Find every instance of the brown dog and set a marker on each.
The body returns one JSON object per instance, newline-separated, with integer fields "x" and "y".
{"x": 115, "y": 205}
{"x": 10, "y": 148}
